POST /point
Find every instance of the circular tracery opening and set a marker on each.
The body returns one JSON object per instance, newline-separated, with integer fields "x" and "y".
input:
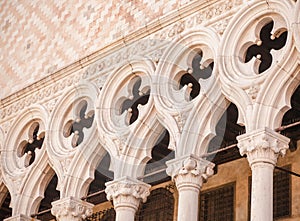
{"x": 139, "y": 95}
{"x": 268, "y": 40}
{"x": 75, "y": 127}
{"x": 29, "y": 146}
{"x": 199, "y": 69}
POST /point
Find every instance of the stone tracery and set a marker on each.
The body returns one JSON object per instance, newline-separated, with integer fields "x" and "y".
{"x": 268, "y": 40}
{"x": 200, "y": 69}
{"x": 138, "y": 96}
{"x": 28, "y": 147}
{"x": 127, "y": 125}
{"x": 83, "y": 119}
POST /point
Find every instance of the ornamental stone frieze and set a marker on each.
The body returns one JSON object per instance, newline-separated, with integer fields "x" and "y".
{"x": 264, "y": 145}
{"x": 257, "y": 55}
{"x": 70, "y": 208}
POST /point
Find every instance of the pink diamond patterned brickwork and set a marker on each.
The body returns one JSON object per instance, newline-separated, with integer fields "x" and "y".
{"x": 40, "y": 37}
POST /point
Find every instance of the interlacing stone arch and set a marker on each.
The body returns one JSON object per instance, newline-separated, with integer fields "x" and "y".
{"x": 188, "y": 95}
{"x": 255, "y": 64}
{"x": 73, "y": 140}
{"x": 127, "y": 118}
{"x": 22, "y": 171}
{"x": 258, "y": 62}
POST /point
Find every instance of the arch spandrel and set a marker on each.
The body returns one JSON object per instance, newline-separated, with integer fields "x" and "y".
{"x": 296, "y": 27}
{"x": 128, "y": 131}
{"x": 73, "y": 139}
{"x": 190, "y": 116}
{"x": 257, "y": 57}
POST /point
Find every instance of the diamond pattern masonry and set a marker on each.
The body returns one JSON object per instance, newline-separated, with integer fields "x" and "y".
{"x": 40, "y": 37}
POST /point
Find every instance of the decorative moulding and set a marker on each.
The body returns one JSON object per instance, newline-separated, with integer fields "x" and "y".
{"x": 98, "y": 63}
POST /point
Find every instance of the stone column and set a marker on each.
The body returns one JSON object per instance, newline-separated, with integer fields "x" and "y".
{"x": 262, "y": 148}
{"x": 20, "y": 218}
{"x": 71, "y": 209}
{"x": 126, "y": 194}
{"x": 189, "y": 173}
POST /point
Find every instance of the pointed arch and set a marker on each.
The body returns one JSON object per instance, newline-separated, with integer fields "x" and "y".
{"x": 73, "y": 139}
{"x": 190, "y": 120}
{"x": 128, "y": 142}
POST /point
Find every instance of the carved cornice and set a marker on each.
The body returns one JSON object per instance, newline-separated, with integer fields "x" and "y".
{"x": 264, "y": 145}
{"x": 71, "y": 209}
{"x": 127, "y": 192}
{"x": 94, "y": 66}
{"x": 189, "y": 171}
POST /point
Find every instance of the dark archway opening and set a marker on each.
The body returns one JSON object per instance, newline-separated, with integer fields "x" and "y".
{"x": 160, "y": 155}
{"x": 159, "y": 206}
{"x": 51, "y": 195}
{"x": 5, "y": 210}
{"x": 102, "y": 175}
{"x": 227, "y": 130}
{"x": 292, "y": 116}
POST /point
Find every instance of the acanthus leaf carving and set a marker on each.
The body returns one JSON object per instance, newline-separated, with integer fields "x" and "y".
{"x": 70, "y": 208}
{"x": 127, "y": 191}
{"x": 190, "y": 170}
{"x": 263, "y": 145}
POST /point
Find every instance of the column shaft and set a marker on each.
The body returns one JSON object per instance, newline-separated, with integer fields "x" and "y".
{"x": 262, "y": 148}
{"x": 188, "y": 204}
{"x": 189, "y": 172}
{"x": 125, "y": 214}
{"x": 262, "y": 192}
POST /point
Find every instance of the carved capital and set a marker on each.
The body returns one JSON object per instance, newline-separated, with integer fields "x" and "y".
{"x": 127, "y": 192}
{"x": 263, "y": 145}
{"x": 70, "y": 208}
{"x": 20, "y": 217}
{"x": 189, "y": 171}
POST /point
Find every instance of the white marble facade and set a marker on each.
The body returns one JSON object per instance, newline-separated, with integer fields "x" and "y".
{"x": 95, "y": 90}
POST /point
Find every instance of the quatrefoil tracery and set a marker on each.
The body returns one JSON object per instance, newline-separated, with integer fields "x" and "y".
{"x": 28, "y": 147}
{"x": 74, "y": 127}
{"x": 138, "y": 96}
{"x": 201, "y": 69}
{"x": 262, "y": 49}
